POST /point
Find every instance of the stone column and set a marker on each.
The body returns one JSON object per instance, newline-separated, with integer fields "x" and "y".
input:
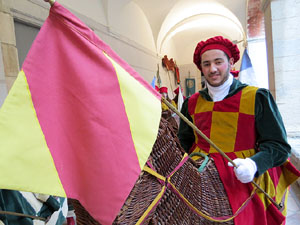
{"x": 269, "y": 43}
{"x": 9, "y": 64}
{"x": 284, "y": 20}
{"x": 286, "y": 42}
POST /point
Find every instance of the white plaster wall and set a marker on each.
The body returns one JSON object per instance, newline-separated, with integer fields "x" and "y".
{"x": 190, "y": 71}
{"x": 187, "y": 8}
{"x": 130, "y": 36}
{"x": 129, "y": 21}
{"x": 143, "y": 61}
{"x": 170, "y": 50}
{"x": 286, "y": 39}
{"x": 168, "y": 77}
{"x": 184, "y": 59}
{"x": 38, "y": 9}
{"x": 94, "y": 9}
{"x": 187, "y": 53}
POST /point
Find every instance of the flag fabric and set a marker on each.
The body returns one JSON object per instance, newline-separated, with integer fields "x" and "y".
{"x": 246, "y": 74}
{"x": 180, "y": 99}
{"x": 78, "y": 122}
{"x": 158, "y": 76}
{"x": 153, "y": 82}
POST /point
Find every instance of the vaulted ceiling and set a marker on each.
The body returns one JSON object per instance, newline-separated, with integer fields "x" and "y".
{"x": 189, "y": 21}
{"x": 197, "y": 20}
{"x": 181, "y": 24}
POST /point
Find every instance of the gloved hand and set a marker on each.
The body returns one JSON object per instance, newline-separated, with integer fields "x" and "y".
{"x": 246, "y": 169}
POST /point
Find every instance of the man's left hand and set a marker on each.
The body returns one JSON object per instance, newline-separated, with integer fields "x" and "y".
{"x": 245, "y": 170}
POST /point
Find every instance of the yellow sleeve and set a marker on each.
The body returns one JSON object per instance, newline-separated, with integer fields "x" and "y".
{"x": 164, "y": 107}
{"x": 174, "y": 104}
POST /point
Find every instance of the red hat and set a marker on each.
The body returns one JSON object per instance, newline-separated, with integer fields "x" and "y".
{"x": 156, "y": 88}
{"x": 176, "y": 91}
{"x": 235, "y": 73}
{"x": 163, "y": 90}
{"x": 217, "y": 42}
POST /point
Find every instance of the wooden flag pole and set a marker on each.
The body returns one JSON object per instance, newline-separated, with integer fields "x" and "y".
{"x": 197, "y": 130}
{"x": 22, "y": 215}
{"x": 216, "y": 147}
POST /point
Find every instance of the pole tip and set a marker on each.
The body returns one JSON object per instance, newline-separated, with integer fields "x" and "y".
{"x": 51, "y": 2}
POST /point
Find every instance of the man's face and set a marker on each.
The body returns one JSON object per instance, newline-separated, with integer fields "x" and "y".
{"x": 215, "y": 67}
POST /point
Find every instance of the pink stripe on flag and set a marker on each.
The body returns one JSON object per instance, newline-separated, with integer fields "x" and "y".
{"x": 68, "y": 19}
{"x": 76, "y": 95}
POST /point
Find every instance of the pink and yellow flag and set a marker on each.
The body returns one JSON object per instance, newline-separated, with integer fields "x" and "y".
{"x": 79, "y": 122}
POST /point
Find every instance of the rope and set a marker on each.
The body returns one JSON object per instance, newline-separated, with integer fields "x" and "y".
{"x": 166, "y": 182}
{"x": 216, "y": 147}
{"x": 209, "y": 217}
{"x": 163, "y": 180}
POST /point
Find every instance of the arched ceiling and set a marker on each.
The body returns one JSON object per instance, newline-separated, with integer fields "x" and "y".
{"x": 186, "y": 21}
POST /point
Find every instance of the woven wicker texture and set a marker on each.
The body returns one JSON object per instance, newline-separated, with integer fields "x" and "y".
{"x": 168, "y": 115}
{"x": 203, "y": 190}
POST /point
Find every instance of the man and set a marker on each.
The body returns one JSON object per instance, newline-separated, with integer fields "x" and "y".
{"x": 164, "y": 92}
{"x": 245, "y": 123}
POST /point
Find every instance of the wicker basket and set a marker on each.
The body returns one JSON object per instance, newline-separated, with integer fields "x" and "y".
{"x": 173, "y": 120}
{"x": 203, "y": 190}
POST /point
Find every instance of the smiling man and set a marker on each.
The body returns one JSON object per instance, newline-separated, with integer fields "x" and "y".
{"x": 245, "y": 123}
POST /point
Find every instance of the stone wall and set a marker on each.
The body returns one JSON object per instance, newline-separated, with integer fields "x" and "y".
{"x": 285, "y": 21}
{"x": 8, "y": 45}
{"x": 296, "y": 162}
{"x": 286, "y": 39}
{"x": 9, "y": 64}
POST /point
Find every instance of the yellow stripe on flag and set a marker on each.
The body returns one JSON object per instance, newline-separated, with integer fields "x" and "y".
{"x": 143, "y": 123}
{"x": 25, "y": 163}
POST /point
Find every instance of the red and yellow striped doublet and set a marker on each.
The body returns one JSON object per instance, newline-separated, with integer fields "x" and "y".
{"x": 230, "y": 124}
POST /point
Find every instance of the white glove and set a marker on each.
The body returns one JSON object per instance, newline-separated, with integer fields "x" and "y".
{"x": 246, "y": 169}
